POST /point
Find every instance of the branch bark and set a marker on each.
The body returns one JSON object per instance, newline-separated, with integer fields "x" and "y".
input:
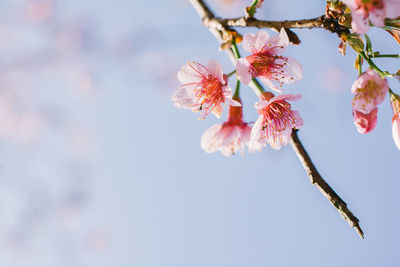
{"x": 217, "y": 28}
{"x": 287, "y": 24}
{"x": 323, "y": 187}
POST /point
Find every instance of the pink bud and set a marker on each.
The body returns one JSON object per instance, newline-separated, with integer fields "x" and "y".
{"x": 365, "y": 122}
{"x": 396, "y": 119}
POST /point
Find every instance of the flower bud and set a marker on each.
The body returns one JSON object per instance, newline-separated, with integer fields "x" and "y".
{"x": 365, "y": 122}
{"x": 356, "y": 42}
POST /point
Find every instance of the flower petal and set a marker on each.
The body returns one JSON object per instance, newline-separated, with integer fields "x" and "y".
{"x": 242, "y": 70}
{"x": 217, "y": 111}
{"x": 233, "y": 102}
{"x": 293, "y": 71}
{"x": 182, "y": 98}
{"x": 261, "y": 104}
{"x": 208, "y": 138}
{"x": 255, "y": 136}
{"x": 277, "y": 44}
{"x": 255, "y": 42}
{"x": 270, "y": 84}
{"x": 365, "y": 122}
{"x": 361, "y": 81}
{"x": 298, "y": 119}
{"x": 396, "y": 130}
{"x": 352, "y": 4}
{"x": 377, "y": 17}
{"x": 286, "y": 97}
{"x": 215, "y": 69}
{"x": 392, "y": 8}
{"x": 359, "y": 22}
{"x": 192, "y": 73}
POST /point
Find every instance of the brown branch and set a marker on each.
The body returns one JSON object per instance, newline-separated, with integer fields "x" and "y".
{"x": 252, "y": 22}
{"x": 218, "y": 27}
{"x": 330, "y": 24}
{"x": 324, "y": 187}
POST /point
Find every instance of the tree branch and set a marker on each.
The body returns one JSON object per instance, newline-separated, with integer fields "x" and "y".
{"x": 322, "y": 22}
{"x": 324, "y": 187}
{"x": 218, "y": 27}
{"x": 319, "y": 22}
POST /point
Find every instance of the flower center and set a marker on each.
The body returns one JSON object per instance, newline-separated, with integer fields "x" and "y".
{"x": 269, "y": 66}
{"x": 209, "y": 94}
{"x": 277, "y": 117}
{"x": 371, "y": 89}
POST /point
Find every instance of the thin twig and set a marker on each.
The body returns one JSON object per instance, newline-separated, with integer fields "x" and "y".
{"x": 218, "y": 27}
{"x": 324, "y": 187}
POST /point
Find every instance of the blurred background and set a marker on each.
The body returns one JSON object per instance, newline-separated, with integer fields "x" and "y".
{"x": 97, "y": 167}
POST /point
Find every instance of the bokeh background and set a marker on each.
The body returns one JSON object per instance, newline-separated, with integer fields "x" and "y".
{"x": 97, "y": 168}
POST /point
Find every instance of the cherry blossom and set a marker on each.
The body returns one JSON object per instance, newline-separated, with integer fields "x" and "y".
{"x": 276, "y": 121}
{"x": 229, "y": 137}
{"x": 396, "y": 119}
{"x": 266, "y": 61}
{"x": 375, "y": 11}
{"x": 365, "y": 122}
{"x": 370, "y": 90}
{"x": 203, "y": 88}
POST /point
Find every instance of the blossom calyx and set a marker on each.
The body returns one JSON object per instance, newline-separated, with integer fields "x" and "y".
{"x": 356, "y": 42}
{"x": 229, "y": 137}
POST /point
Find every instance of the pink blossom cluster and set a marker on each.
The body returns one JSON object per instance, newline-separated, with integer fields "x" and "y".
{"x": 205, "y": 89}
{"x": 369, "y": 91}
{"x": 364, "y": 11}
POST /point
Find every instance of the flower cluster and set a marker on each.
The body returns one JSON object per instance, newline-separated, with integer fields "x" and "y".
{"x": 205, "y": 89}
{"x": 371, "y": 86}
{"x": 369, "y": 90}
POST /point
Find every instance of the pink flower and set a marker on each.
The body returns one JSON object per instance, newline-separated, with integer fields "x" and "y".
{"x": 266, "y": 62}
{"x": 365, "y": 122}
{"x": 374, "y": 10}
{"x": 276, "y": 121}
{"x": 370, "y": 90}
{"x": 396, "y": 119}
{"x": 229, "y": 137}
{"x": 203, "y": 88}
